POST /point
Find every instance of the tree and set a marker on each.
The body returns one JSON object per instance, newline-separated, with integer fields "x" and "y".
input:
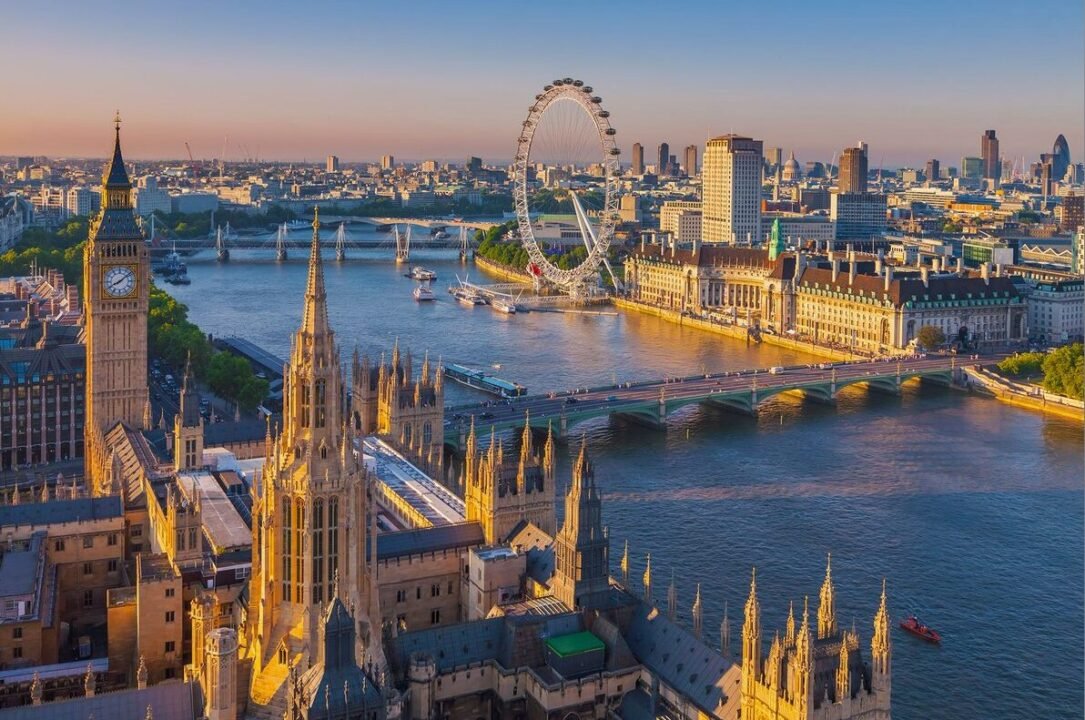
{"x": 930, "y": 337}
{"x": 1064, "y": 371}
{"x": 1027, "y": 364}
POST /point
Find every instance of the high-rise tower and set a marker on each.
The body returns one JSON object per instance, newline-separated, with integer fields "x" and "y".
{"x": 581, "y": 548}
{"x": 731, "y": 190}
{"x": 992, "y": 168}
{"x": 691, "y": 160}
{"x": 853, "y": 170}
{"x": 663, "y": 160}
{"x": 638, "y": 159}
{"x": 116, "y": 281}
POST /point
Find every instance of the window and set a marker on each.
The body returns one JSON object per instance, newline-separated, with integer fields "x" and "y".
{"x": 137, "y": 531}
{"x": 435, "y": 617}
{"x": 88, "y": 568}
{"x": 169, "y": 673}
{"x": 170, "y": 616}
{"x": 17, "y": 633}
{"x": 88, "y": 598}
{"x": 112, "y": 566}
{"x": 418, "y": 593}
{"x": 401, "y": 596}
{"x": 58, "y": 546}
{"x": 170, "y": 645}
{"x": 88, "y": 541}
{"x": 170, "y": 592}
{"x": 435, "y": 590}
{"x": 17, "y": 653}
{"x": 112, "y": 540}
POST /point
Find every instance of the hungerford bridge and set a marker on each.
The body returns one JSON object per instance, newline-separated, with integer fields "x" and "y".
{"x": 652, "y": 402}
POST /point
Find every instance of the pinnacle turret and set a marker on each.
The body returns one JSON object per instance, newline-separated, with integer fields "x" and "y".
{"x": 827, "y": 603}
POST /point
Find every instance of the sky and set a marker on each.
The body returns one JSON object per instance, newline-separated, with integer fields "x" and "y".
{"x": 420, "y": 79}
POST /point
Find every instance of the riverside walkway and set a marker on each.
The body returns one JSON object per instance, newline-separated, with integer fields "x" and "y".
{"x": 651, "y": 402}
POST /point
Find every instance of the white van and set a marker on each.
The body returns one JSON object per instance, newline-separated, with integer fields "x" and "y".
{"x": 776, "y": 371}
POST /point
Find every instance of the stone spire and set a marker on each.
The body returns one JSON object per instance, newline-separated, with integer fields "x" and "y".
{"x": 751, "y": 638}
{"x": 141, "y": 673}
{"x": 90, "y": 682}
{"x": 115, "y": 175}
{"x": 725, "y": 633}
{"x": 315, "y": 316}
{"x": 774, "y": 664}
{"x": 582, "y": 548}
{"x": 880, "y": 646}
{"x": 647, "y": 579}
{"x": 827, "y": 603}
{"x": 803, "y": 661}
{"x": 789, "y": 637}
{"x": 843, "y": 674}
{"x": 625, "y": 565}
{"x": 698, "y": 617}
{"x": 35, "y": 689}
{"x": 672, "y": 600}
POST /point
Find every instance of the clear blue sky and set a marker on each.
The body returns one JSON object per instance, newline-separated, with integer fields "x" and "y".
{"x": 419, "y": 79}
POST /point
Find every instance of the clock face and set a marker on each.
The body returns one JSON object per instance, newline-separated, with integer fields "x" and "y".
{"x": 119, "y": 281}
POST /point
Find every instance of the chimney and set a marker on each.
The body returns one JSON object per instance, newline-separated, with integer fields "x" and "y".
{"x": 674, "y": 247}
{"x": 998, "y": 270}
{"x": 878, "y": 264}
{"x": 836, "y": 269}
{"x": 925, "y": 274}
{"x": 960, "y": 265}
{"x": 985, "y": 273}
{"x": 851, "y": 270}
{"x": 936, "y": 264}
{"x": 888, "y": 277}
{"x": 642, "y": 243}
{"x": 832, "y": 256}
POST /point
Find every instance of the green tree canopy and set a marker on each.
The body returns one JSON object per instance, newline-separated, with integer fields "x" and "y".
{"x": 1064, "y": 371}
{"x": 930, "y": 337}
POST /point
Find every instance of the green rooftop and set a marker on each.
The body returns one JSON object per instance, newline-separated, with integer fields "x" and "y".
{"x": 574, "y": 644}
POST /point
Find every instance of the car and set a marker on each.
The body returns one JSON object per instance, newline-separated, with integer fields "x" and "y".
{"x": 571, "y": 401}
{"x": 776, "y": 371}
{"x": 486, "y": 416}
{"x": 611, "y": 398}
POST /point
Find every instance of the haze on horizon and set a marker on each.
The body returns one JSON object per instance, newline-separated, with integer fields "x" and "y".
{"x": 294, "y": 81}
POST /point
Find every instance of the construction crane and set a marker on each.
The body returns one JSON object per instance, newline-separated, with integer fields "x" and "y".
{"x": 191, "y": 161}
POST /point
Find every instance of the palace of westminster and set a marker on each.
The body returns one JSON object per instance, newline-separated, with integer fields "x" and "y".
{"x": 284, "y": 578}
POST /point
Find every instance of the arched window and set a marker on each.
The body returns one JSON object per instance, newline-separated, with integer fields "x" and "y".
{"x": 407, "y": 434}
{"x": 318, "y": 551}
{"x": 427, "y": 434}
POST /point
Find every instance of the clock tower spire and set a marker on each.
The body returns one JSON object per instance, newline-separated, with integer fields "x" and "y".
{"x": 116, "y": 281}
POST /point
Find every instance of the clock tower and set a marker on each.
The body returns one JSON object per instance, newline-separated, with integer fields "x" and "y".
{"x": 116, "y": 282}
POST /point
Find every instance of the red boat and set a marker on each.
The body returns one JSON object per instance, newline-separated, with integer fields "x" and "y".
{"x": 912, "y": 625}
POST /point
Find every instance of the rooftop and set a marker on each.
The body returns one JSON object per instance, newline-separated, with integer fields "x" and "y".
{"x": 56, "y": 512}
{"x": 575, "y": 644}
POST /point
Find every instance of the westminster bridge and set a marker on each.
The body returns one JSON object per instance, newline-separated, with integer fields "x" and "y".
{"x": 650, "y": 403}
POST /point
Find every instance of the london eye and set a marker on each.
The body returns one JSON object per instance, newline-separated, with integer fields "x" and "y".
{"x": 567, "y": 167}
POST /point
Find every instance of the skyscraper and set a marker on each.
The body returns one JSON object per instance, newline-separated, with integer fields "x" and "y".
{"x": 731, "y": 192}
{"x": 992, "y": 168}
{"x": 933, "y": 170}
{"x": 774, "y": 157}
{"x": 971, "y": 168}
{"x": 1060, "y": 158}
{"x": 663, "y": 160}
{"x": 691, "y": 160}
{"x": 387, "y": 162}
{"x": 333, "y": 164}
{"x": 638, "y": 159}
{"x": 853, "y": 170}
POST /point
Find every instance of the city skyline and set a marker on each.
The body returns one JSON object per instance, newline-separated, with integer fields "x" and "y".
{"x": 281, "y": 85}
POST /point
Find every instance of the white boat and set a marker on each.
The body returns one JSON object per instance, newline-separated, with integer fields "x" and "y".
{"x": 422, "y": 293}
{"x": 420, "y": 273}
{"x": 506, "y": 306}
{"x": 468, "y": 297}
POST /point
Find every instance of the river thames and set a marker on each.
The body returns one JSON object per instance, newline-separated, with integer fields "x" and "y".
{"x": 972, "y": 510}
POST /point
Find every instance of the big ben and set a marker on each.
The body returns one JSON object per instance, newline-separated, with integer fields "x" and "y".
{"x": 116, "y": 282}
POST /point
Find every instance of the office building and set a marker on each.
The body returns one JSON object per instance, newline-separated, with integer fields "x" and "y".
{"x": 731, "y": 190}
{"x": 1071, "y": 213}
{"x": 638, "y": 159}
{"x": 663, "y": 160}
{"x": 691, "y": 160}
{"x": 332, "y": 165}
{"x": 853, "y": 170}
{"x": 774, "y": 157}
{"x": 1060, "y": 158}
{"x": 971, "y": 168}
{"x": 671, "y": 211}
{"x": 933, "y": 170}
{"x": 150, "y": 198}
{"x": 81, "y": 201}
{"x": 992, "y": 165}
{"x": 474, "y": 165}
{"x": 387, "y": 162}
{"x": 858, "y": 216}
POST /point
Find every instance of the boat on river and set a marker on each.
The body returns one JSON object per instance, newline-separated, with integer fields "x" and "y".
{"x": 504, "y": 306}
{"x": 420, "y": 273}
{"x": 912, "y": 625}
{"x": 422, "y": 293}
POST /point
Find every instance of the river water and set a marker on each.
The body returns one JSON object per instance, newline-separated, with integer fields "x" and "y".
{"x": 971, "y": 509}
